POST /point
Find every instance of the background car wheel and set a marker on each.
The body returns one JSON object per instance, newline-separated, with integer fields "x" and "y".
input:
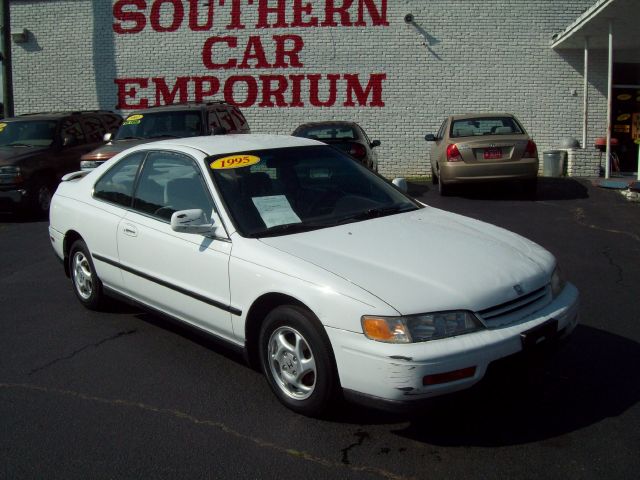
{"x": 41, "y": 198}
{"x": 434, "y": 177}
{"x": 297, "y": 359}
{"x": 86, "y": 284}
{"x": 443, "y": 190}
{"x": 531, "y": 188}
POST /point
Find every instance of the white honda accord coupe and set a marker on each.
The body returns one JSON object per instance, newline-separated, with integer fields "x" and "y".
{"x": 328, "y": 277}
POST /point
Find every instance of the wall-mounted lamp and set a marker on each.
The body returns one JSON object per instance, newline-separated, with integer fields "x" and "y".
{"x": 20, "y": 37}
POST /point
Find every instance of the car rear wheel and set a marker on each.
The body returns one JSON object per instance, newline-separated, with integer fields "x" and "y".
{"x": 434, "y": 177}
{"x": 86, "y": 284}
{"x": 41, "y": 197}
{"x": 443, "y": 189}
{"x": 297, "y": 360}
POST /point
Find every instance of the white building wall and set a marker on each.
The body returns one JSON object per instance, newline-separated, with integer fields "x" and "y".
{"x": 457, "y": 57}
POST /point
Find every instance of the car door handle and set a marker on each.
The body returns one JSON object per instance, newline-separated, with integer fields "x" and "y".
{"x": 130, "y": 230}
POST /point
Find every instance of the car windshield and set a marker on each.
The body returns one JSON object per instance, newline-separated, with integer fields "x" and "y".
{"x": 38, "y": 133}
{"x": 327, "y": 132}
{"x": 289, "y": 190}
{"x": 470, "y": 127}
{"x": 175, "y": 124}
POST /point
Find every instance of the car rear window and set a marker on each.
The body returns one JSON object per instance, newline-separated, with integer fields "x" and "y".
{"x": 470, "y": 127}
{"x": 327, "y": 132}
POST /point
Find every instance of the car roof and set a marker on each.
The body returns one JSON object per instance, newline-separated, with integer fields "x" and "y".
{"x": 328, "y": 122}
{"x": 53, "y": 115}
{"x": 465, "y": 116}
{"x": 177, "y": 107}
{"x": 219, "y": 144}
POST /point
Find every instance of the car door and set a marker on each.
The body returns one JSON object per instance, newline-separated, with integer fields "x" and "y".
{"x": 182, "y": 274}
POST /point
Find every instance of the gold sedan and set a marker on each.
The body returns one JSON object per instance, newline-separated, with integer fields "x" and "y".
{"x": 482, "y": 148}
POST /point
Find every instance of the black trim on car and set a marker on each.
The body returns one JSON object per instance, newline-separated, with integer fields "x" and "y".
{"x": 201, "y": 298}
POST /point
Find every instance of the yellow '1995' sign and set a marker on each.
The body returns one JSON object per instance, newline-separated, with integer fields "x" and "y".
{"x": 234, "y": 161}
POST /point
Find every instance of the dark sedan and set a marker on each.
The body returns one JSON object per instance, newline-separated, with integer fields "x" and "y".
{"x": 346, "y": 136}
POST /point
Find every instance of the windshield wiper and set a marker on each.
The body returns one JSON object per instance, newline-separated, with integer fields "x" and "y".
{"x": 288, "y": 228}
{"x": 129, "y": 138}
{"x": 376, "y": 213}
{"x": 165, "y": 135}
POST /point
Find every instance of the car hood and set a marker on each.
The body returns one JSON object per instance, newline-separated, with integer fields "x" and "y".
{"x": 9, "y": 155}
{"x": 426, "y": 260}
{"x": 113, "y": 148}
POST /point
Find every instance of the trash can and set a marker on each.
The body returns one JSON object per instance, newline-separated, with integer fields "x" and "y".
{"x": 553, "y": 162}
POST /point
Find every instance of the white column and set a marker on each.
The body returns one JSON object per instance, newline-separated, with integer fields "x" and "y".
{"x": 609, "y": 100}
{"x": 585, "y": 94}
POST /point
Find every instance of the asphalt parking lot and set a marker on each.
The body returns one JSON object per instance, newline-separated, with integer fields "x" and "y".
{"x": 125, "y": 394}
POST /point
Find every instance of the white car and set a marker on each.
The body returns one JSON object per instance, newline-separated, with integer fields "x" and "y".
{"x": 323, "y": 273}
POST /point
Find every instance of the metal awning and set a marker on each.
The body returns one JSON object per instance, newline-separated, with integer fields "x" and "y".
{"x": 594, "y": 25}
{"x": 594, "y": 29}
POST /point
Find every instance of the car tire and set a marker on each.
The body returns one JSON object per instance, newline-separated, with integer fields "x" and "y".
{"x": 297, "y": 359}
{"x": 41, "y": 195}
{"x": 86, "y": 284}
{"x": 531, "y": 188}
{"x": 434, "y": 177}
{"x": 443, "y": 190}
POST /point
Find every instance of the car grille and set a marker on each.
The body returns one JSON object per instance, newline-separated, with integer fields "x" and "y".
{"x": 514, "y": 310}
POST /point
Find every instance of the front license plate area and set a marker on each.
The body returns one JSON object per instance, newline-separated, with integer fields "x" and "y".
{"x": 541, "y": 334}
{"x": 492, "y": 153}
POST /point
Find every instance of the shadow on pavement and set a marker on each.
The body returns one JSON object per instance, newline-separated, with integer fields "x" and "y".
{"x": 592, "y": 377}
{"x": 548, "y": 189}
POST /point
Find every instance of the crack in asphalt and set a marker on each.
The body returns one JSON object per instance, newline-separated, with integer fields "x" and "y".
{"x": 210, "y": 423}
{"x": 580, "y": 218}
{"x": 80, "y": 350}
{"x": 608, "y": 256}
{"x": 361, "y": 436}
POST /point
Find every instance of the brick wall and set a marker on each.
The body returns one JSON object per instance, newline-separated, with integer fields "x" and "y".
{"x": 457, "y": 57}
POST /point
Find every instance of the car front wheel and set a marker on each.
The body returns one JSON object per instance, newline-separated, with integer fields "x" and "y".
{"x": 297, "y": 360}
{"x": 86, "y": 284}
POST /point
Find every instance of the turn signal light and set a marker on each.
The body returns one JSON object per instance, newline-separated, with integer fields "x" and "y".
{"x": 446, "y": 377}
{"x": 453, "y": 154}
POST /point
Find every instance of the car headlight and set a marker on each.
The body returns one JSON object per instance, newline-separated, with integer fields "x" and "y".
{"x": 10, "y": 174}
{"x": 557, "y": 282}
{"x": 419, "y": 328}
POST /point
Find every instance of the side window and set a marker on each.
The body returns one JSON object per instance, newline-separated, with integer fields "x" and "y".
{"x": 111, "y": 122}
{"x": 170, "y": 182}
{"x": 116, "y": 186}
{"x": 225, "y": 120}
{"x": 239, "y": 119}
{"x": 213, "y": 121}
{"x": 70, "y": 127}
{"x": 93, "y": 128}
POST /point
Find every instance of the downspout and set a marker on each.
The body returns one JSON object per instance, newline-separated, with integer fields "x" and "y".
{"x": 585, "y": 94}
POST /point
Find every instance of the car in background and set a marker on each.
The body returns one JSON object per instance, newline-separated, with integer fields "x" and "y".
{"x": 311, "y": 264}
{"x": 169, "y": 121}
{"x": 37, "y": 149}
{"x": 346, "y": 136}
{"x": 482, "y": 148}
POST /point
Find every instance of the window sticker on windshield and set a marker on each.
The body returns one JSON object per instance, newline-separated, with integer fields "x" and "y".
{"x": 275, "y": 210}
{"x": 234, "y": 161}
{"x": 133, "y": 120}
{"x": 2, "y": 126}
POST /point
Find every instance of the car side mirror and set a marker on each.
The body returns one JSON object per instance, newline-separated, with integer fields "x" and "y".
{"x": 375, "y": 143}
{"x": 430, "y": 137}
{"x": 219, "y": 131}
{"x": 69, "y": 141}
{"x": 191, "y": 221}
{"x": 401, "y": 184}
{"x": 107, "y": 136}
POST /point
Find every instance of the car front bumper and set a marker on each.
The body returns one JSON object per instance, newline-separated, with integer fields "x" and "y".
{"x": 394, "y": 373}
{"x": 461, "y": 172}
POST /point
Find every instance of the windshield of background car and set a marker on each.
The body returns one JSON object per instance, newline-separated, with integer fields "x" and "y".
{"x": 289, "y": 190}
{"x": 470, "y": 127}
{"x": 327, "y": 132}
{"x": 176, "y": 124}
{"x": 30, "y": 133}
